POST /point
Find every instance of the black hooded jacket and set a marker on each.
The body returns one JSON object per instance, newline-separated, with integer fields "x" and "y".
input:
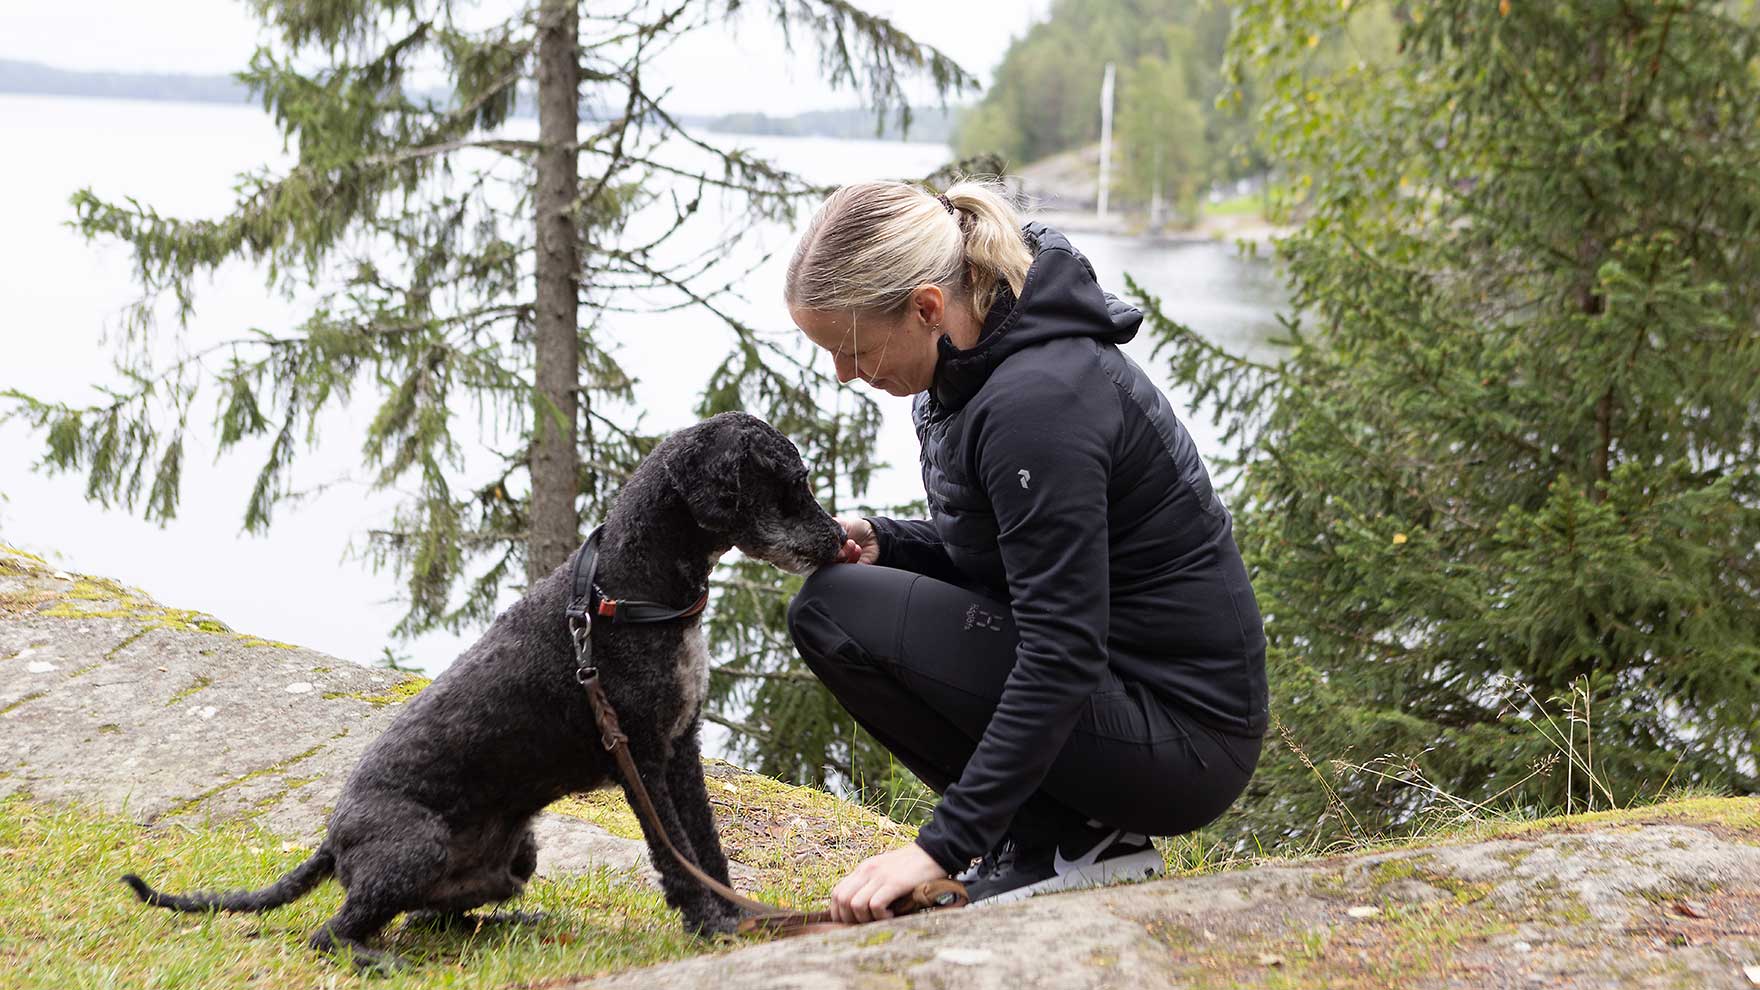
{"x": 1059, "y": 478}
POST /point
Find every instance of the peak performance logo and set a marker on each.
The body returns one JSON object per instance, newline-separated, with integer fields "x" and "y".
{"x": 977, "y": 618}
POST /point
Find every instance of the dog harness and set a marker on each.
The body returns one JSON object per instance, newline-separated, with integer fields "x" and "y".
{"x": 589, "y": 602}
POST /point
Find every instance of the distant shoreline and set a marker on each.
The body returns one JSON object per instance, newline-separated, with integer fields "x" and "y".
{"x": 20, "y": 78}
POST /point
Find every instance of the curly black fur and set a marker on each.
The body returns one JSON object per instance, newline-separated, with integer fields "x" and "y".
{"x": 436, "y": 816}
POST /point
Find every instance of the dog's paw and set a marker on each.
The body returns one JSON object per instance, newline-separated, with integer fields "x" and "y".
{"x": 373, "y": 964}
{"x": 711, "y": 923}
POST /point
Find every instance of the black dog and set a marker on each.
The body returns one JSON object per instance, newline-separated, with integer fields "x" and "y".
{"x": 436, "y": 816}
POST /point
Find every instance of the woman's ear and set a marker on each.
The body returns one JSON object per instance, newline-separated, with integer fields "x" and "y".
{"x": 930, "y": 304}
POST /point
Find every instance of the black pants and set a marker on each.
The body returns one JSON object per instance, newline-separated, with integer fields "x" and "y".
{"x": 921, "y": 663}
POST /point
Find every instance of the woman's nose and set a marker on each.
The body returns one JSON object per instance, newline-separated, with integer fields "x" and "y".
{"x": 846, "y": 368}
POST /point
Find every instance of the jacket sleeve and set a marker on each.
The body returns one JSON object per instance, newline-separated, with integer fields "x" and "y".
{"x": 914, "y": 545}
{"x": 1043, "y": 453}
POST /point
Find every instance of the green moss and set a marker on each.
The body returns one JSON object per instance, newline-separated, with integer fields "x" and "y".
{"x": 109, "y": 729}
{"x": 1741, "y": 813}
{"x": 800, "y": 841}
{"x": 1513, "y": 858}
{"x": 1395, "y": 870}
{"x": 27, "y": 646}
{"x": 396, "y": 694}
{"x": 8, "y": 551}
{"x": 1420, "y": 868}
{"x": 188, "y": 803}
{"x": 34, "y": 695}
{"x": 880, "y": 937}
{"x": 110, "y": 654}
{"x": 1329, "y": 884}
{"x": 191, "y": 688}
{"x": 103, "y": 598}
{"x": 73, "y": 604}
{"x": 1684, "y": 890}
{"x": 252, "y": 642}
{"x": 883, "y": 972}
{"x": 1172, "y": 934}
{"x": 21, "y": 602}
{"x": 1546, "y": 896}
{"x": 288, "y": 786}
{"x": 1402, "y": 946}
{"x": 605, "y": 808}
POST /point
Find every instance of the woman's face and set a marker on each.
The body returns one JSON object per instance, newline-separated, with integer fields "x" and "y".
{"x": 894, "y": 353}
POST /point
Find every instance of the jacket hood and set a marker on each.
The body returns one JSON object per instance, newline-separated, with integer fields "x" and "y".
{"x": 1060, "y": 298}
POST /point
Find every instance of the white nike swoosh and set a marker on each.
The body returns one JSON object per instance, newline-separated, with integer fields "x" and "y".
{"x": 1062, "y": 866}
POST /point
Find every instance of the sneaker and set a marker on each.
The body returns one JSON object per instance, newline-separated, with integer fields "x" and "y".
{"x": 1095, "y": 857}
{"x": 999, "y": 858}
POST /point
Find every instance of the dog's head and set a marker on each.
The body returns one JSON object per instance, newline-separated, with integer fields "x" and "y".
{"x": 745, "y": 482}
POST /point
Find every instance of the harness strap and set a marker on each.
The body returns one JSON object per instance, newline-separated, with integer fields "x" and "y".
{"x": 588, "y": 602}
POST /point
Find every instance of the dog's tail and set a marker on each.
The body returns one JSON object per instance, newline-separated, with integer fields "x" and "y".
{"x": 289, "y": 888}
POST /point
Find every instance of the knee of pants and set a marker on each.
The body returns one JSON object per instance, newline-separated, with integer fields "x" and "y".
{"x": 817, "y": 635}
{"x": 808, "y": 625}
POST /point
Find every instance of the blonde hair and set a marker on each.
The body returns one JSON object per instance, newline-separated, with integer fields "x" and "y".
{"x": 872, "y": 244}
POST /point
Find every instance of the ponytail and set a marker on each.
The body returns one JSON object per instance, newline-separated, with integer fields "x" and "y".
{"x": 872, "y": 244}
{"x": 995, "y": 251}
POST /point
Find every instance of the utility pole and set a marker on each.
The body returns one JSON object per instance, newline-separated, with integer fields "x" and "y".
{"x": 1106, "y": 137}
{"x": 1155, "y": 205}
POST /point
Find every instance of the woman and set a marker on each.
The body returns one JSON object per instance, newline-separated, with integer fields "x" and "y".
{"x": 1068, "y": 650}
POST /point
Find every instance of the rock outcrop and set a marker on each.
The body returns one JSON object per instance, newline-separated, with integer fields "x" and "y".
{"x": 1665, "y": 897}
{"x": 110, "y": 699}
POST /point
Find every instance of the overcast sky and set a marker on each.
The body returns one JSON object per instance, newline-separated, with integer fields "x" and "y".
{"x": 714, "y": 71}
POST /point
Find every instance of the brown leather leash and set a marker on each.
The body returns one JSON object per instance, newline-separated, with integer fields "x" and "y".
{"x": 764, "y": 918}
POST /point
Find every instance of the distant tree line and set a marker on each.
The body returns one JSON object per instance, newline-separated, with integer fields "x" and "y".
{"x": 32, "y": 77}
{"x": 931, "y": 124}
{"x": 1174, "y": 134}
{"x": 1180, "y": 126}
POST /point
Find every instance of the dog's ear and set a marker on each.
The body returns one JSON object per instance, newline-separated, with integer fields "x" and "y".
{"x": 706, "y": 473}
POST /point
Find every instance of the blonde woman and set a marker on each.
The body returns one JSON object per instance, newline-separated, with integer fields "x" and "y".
{"x": 1068, "y": 649}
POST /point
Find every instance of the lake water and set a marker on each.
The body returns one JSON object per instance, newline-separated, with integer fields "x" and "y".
{"x": 298, "y": 583}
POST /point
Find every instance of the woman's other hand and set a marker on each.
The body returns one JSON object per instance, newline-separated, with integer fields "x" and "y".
{"x": 869, "y": 890}
{"x": 859, "y": 532}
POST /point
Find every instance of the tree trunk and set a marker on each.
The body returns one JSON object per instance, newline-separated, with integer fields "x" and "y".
{"x": 553, "y": 530}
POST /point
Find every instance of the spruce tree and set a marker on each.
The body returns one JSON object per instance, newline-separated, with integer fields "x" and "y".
{"x": 464, "y": 272}
{"x": 1501, "y": 495}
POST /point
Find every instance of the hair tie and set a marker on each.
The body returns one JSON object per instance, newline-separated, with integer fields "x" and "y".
{"x": 951, "y": 210}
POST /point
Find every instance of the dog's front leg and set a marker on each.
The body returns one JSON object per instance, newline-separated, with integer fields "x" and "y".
{"x": 704, "y": 913}
{"x": 689, "y": 795}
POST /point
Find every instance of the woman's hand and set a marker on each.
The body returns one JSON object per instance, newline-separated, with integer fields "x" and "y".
{"x": 877, "y": 881}
{"x": 860, "y": 532}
